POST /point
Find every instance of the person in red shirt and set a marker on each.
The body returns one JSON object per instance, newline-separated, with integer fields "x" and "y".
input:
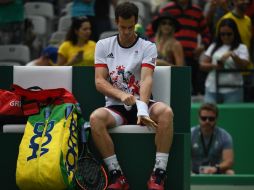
{"x": 193, "y": 25}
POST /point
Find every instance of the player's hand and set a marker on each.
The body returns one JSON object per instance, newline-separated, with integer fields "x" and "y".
{"x": 147, "y": 121}
{"x": 128, "y": 99}
{"x": 210, "y": 170}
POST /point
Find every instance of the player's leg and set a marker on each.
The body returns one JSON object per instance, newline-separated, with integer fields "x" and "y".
{"x": 163, "y": 116}
{"x": 100, "y": 120}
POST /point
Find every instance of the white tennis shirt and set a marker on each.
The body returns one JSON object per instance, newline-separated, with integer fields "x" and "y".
{"x": 124, "y": 64}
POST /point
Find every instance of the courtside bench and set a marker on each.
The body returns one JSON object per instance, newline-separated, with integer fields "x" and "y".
{"x": 135, "y": 147}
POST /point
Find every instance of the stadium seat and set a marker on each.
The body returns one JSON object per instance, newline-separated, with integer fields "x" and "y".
{"x": 39, "y": 27}
{"x": 14, "y": 54}
{"x": 67, "y": 9}
{"x": 39, "y": 8}
{"x": 57, "y": 38}
{"x": 44, "y": 9}
{"x": 64, "y": 23}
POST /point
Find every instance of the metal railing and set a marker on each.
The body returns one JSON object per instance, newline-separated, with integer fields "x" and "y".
{"x": 244, "y": 85}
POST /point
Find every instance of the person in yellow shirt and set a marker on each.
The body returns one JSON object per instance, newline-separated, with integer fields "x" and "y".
{"x": 241, "y": 19}
{"x": 77, "y": 49}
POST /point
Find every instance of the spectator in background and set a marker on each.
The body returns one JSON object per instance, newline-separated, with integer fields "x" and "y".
{"x": 29, "y": 34}
{"x": 244, "y": 26}
{"x": 227, "y": 52}
{"x": 214, "y": 10}
{"x": 85, "y": 8}
{"x": 77, "y": 49}
{"x": 102, "y": 16}
{"x": 11, "y": 21}
{"x": 250, "y": 13}
{"x": 48, "y": 57}
{"x": 200, "y": 3}
{"x": 242, "y": 21}
{"x": 170, "y": 51}
{"x": 193, "y": 25}
{"x": 31, "y": 39}
{"x": 156, "y": 5}
{"x": 211, "y": 146}
{"x": 82, "y": 8}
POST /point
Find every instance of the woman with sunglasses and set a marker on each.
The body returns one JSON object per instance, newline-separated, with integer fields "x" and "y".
{"x": 211, "y": 146}
{"x": 77, "y": 49}
{"x": 170, "y": 51}
{"x": 227, "y": 52}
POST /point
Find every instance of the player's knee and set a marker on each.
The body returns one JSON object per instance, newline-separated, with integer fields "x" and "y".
{"x": 96, "y": 120}
{"x": 169, "y": 112}
{"x": 166, "y": 113}
{"x": 166, "y": 119}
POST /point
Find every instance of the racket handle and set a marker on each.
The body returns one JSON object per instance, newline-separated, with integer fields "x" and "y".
{"x": 83, "y": 135}
{"x": 47, "y": 112}
{"x": 68, "y": 110}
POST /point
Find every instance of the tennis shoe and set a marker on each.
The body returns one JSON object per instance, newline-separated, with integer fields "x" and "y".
{"x": 157, "y": 179}
{"x": 117, "y": 181}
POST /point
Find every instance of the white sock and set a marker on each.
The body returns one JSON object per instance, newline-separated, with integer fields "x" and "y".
{"x": 112, "y": 163}
{"x": 161, "y": 161}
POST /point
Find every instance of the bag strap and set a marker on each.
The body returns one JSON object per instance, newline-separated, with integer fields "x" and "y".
{"x": 34, "y": 88}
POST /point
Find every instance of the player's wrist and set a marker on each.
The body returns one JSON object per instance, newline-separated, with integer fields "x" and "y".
{"x": 142, "y": 108}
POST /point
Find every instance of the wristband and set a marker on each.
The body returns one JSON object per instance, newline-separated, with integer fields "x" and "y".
{"x": 142, "y": 108}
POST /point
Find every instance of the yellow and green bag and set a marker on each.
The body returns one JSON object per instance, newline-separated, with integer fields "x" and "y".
{"x": 48, "y": 151}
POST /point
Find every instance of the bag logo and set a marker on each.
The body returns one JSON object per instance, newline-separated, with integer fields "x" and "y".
{"x": 15, "y": 103}
{"x": 38, "y": 132}
{"x": 71, "y": 154}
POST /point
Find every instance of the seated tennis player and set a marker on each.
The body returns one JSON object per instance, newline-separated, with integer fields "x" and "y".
{"x": 124, "y": 66}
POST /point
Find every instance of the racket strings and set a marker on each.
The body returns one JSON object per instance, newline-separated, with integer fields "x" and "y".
{"x": 89, "y": 175}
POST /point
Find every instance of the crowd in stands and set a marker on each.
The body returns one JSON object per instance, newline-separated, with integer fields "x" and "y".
{"x": 187, "y": 33}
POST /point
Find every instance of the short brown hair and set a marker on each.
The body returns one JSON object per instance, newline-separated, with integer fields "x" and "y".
{"x": 126, "y": 10}
{"x": 209, "y": 107}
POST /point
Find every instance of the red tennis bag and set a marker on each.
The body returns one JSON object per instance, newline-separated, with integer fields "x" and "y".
{"x": 18, "y": 103}
{"x": 10, "y": 103}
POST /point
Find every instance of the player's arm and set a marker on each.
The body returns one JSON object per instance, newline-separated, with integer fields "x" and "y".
{"x": 146, "y": 83}
{"x": 145, "y": 94}
{"x": 103, "y": 86}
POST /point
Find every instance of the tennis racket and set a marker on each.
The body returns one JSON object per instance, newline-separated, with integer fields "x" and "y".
{"x": 90, "y": 174}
